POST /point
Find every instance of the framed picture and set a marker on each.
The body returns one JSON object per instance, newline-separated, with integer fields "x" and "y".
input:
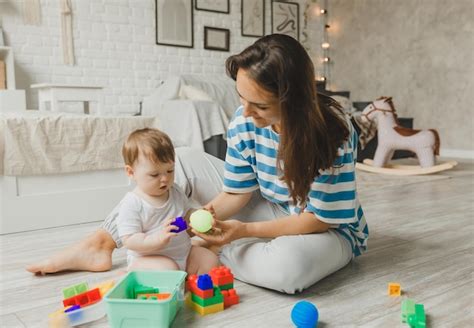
{"x": 216, "y": 38}
{"x": 217, "y": 6}
{"x": 285, "y": 18}
{"x": 253, "y": 18}
{"x": 174, "y": 23}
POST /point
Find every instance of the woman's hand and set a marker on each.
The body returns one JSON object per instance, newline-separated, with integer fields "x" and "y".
{"x": 223, "y": 232}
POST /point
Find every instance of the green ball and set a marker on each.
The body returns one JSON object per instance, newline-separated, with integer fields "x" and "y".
{"x": 201, "y": 221}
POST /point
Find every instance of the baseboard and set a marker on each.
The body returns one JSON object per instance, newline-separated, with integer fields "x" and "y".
{"x": 457, "y": 153}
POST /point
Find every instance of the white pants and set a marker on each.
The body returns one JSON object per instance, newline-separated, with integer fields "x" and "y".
{"x": 288, "y": 263}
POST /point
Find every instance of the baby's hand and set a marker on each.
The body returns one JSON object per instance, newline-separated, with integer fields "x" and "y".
{"x": 166, "y": 233}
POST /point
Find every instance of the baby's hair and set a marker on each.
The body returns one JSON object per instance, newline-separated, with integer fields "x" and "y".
{"x": 151, "y": 143}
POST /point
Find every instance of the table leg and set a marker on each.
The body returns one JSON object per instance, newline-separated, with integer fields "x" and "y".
{"x": 86, "y": 108}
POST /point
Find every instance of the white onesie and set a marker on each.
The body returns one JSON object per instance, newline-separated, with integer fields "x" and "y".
{"x": 136, "y": 215}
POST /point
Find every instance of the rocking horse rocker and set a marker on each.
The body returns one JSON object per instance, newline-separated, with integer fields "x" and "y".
{"x": 391, "y": 136}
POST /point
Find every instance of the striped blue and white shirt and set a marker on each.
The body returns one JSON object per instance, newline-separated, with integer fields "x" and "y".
{"x": 251, "y": 164}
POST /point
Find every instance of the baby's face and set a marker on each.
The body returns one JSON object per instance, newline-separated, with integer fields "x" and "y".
{"x": 153, "y": 179}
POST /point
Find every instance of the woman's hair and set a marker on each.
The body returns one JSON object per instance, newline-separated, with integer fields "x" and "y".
{"x": 312, "y": 129}
{"x": 151, "y": 143}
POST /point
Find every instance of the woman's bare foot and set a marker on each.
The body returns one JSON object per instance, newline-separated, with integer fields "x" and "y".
{"x": 91, "y": 254}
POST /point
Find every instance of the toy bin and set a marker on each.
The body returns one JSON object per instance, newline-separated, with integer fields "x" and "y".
{"x": 124, "y": 311}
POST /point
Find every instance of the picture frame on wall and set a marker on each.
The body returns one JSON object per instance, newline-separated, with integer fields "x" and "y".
{"x": 285, "y": 18}
{"x": 216, "y": 38}
{"x": 253, "y": 18}
{"x": 217, "y": 6}
{"x": 174, "y": 23}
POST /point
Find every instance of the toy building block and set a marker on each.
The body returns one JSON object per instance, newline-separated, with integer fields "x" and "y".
{"x": 417, "y": 320}
{"x": 75, "y": 290}
{"x": 157, "y": 296}
{"x": 204, "y": 310}
{"x": 191, "y": 285}
{"x": 230, "y": 298}
{"x": 90, "y": 297}
{"x": 58, "y": 319}
{"x": 217, "y": 298}
{"x": 180, "y": 223}
{"x": 221, "y": 276}
{"x": 140, "y": 289}
{"x": 69, "y": 292}
{"x": 408, "y": 308}
{"x": 72, "y": 308}
{"x": 104, "y": 287}
{"x": 226, "y": 287}
{"x": 204, "y": 282}
{"x": 394, "y": 289}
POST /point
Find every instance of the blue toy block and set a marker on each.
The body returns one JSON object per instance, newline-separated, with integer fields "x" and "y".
{"x": 180, "y": 223}
{"x": 204, "y": 282}
{"x": 305, "y": 315}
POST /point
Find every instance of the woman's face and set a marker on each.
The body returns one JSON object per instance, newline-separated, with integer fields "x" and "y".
{"x": 258, "y": 103}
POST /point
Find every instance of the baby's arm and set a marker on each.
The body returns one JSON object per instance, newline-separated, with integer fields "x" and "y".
{"x": 143, "y": 243}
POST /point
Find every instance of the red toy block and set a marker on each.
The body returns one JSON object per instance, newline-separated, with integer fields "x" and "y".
{"x": 90, "y": 297}
{"x": 230, "y": 297}
{"x": 191, "y": 285}
{"x": 221, "y": 276}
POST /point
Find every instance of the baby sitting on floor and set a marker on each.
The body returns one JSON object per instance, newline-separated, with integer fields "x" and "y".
{"x": 145, "y": 216}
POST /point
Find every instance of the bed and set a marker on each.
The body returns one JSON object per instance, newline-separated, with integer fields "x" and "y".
{"x": 58, "y": 169}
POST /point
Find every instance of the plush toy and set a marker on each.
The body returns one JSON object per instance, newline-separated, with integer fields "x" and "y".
{"x": 391, "y": 136}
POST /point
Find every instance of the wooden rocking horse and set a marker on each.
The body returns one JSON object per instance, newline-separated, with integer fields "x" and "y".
{"x": 391, "y": 136}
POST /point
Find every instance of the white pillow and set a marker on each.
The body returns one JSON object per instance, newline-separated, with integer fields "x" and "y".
{"x": 192, "y": 93}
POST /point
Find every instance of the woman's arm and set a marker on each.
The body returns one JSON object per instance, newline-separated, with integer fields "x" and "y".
{"x": 227, "y": 204}
{"x": 303, "y": 223}
{"x": 227, "y": 231}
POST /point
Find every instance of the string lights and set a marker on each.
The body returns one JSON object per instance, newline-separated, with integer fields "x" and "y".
{"x": 325, "y": 45}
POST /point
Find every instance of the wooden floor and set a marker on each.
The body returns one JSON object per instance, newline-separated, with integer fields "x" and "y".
{"x": 421, "y": 236}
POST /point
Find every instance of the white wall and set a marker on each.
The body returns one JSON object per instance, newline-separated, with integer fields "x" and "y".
{"x": 419, "y": 52}
{"x": 114, "y": 42}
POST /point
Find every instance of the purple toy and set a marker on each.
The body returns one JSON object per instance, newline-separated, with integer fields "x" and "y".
{"x": 180, "y": 223}
{"x": 72, "y": 308}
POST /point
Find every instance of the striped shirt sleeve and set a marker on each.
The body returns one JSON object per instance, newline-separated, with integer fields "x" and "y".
{"x": 333, "y": 197}
{"x": 239, "y": 173}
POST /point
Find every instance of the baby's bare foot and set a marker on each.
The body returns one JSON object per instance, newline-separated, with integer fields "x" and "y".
{"x": 91, "y": 254}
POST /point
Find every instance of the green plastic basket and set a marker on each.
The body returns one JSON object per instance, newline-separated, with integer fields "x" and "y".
{"x": 123, "y": 311}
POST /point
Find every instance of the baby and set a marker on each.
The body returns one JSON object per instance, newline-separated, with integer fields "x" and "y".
{"x": 146, "y": 215}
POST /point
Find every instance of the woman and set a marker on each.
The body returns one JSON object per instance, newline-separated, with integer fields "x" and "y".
{"x": 288, "y": 179}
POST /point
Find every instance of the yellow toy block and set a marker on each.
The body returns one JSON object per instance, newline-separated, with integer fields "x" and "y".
{"x": 394, "y": 289}
{"x": 203, "y": 310}
{"x": 58, "y": 319}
